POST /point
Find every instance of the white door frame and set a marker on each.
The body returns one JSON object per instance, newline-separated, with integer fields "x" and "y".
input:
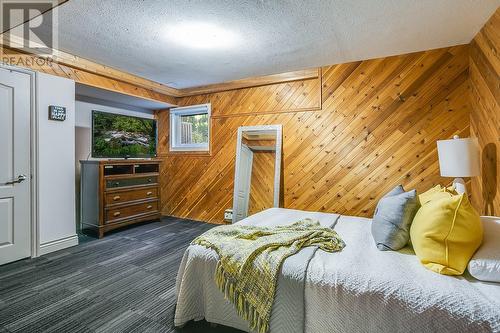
{"x": 277, "y": 164}
{"x": 35, "y": 241}
{"x": 248, "y": 177}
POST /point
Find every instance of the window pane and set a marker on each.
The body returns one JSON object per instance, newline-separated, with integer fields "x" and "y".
{"x": 194, "y": 129}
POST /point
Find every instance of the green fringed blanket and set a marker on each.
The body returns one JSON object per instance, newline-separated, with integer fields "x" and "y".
{"x": 250, "y": 258}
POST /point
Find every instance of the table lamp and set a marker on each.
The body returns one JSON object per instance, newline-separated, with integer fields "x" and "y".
{"x": 459, "y": 158}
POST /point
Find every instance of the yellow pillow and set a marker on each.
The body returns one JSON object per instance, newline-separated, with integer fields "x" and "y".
{"x": 445, "y": 232}
{"x": 436, "y": 192}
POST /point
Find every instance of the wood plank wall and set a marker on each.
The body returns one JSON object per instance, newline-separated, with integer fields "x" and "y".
{"x": 349, "y": 136}
{"x": 485, "y": 114}
{"x": 262, "y": 182}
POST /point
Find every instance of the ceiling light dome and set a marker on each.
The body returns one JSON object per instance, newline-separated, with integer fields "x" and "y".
{"x": 201, "y": 36}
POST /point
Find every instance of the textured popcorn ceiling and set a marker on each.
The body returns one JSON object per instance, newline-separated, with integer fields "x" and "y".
{"x": 273, "y": 35}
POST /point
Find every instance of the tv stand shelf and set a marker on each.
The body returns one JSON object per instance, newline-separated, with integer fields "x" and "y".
{"x": 117, "y": 193}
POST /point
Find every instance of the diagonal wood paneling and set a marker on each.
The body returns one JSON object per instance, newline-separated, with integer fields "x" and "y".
{"x": 250, "y": 82}
{"x": 485, "y": 115}
{"x": 349, "y": 136}
{"x": 284, "y": 97}
{"x": 262, "y": 185}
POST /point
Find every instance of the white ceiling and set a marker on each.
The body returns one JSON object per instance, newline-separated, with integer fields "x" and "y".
{"x": 117, "y": 99}
{"x": 272, "y": 36}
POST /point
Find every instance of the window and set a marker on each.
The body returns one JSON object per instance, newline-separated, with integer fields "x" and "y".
{"x": 190, "y": 128}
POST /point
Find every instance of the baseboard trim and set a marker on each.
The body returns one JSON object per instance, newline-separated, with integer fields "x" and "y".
{"x": 57, "y": 245}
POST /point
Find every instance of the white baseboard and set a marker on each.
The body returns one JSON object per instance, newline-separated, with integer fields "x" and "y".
{"x": 57, "y": 245}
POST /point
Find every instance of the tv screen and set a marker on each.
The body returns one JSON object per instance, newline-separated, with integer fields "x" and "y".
{"x": 115, "y": 136}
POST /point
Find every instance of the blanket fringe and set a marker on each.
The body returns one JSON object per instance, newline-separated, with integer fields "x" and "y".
{"x": 243, "y": 308}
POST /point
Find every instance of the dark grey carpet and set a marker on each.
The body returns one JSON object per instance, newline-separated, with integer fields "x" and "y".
{"x": 124, "y": 282}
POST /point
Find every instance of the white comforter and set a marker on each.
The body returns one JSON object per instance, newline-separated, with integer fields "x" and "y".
{"x": 359, "y": 289}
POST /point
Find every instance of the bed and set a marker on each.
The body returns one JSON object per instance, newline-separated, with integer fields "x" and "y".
{"x": 359, "y": 289}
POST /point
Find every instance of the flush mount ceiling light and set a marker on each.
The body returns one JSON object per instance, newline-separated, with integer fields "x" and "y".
{"x": 201, "y": 36}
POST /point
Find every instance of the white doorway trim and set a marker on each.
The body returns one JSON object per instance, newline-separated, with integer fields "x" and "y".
{"x": 278, "y": 129}
{"x": 35, "y": 242}
{"x": 244, "y": 178}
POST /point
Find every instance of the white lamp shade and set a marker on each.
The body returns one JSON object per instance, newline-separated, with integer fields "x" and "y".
{"x": 459, "y": 157}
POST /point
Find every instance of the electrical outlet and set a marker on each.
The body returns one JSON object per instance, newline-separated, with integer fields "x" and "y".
{"x": 228, "y": 215}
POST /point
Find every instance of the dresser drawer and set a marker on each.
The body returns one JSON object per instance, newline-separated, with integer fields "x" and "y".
{"x": 117, "y": 183}
{"x": 131, "y": 195}
{"x": 131, "y": 210}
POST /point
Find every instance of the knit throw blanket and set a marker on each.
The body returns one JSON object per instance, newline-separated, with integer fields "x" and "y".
{"x": 250, "y": 259}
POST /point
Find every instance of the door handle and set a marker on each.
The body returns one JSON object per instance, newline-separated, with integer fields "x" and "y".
{"x": 20, "y": 179}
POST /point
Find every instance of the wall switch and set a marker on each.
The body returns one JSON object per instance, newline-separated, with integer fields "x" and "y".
{"x": 228, "y": 215}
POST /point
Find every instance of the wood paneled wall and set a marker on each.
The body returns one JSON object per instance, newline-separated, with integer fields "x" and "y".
{"x": 349, "y": 136}
{"x": 262, "y": 182}
{"x": 485, "y": 114}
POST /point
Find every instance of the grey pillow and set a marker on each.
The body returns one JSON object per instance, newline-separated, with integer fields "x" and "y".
{"x": 393, "y": 217}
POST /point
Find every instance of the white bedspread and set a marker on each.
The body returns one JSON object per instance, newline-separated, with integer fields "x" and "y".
{"x": 359, "y": 289}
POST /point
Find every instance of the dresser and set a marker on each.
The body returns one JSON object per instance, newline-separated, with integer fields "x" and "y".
{"x": 117, "y": 193}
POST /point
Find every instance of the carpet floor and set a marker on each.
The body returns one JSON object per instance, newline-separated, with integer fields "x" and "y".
{"x": 124, "y": 282}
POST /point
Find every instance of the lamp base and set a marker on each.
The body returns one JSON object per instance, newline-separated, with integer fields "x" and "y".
{"x": 459, "y": 184}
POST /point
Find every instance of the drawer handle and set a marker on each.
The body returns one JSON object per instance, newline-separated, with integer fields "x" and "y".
{"x": 150, "y": 180}
{"x": 117, "y": 183}
{"x": 116, "y": 198}
{"x": 149, "y": 193}
{"x": 149, "y": 207}
{"x": 116, "y": 214}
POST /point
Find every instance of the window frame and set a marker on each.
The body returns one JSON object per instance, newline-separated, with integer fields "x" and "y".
{"x": 175, "y": 131}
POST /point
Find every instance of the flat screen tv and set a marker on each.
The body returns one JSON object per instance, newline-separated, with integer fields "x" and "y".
{"x": 120, "y": 136}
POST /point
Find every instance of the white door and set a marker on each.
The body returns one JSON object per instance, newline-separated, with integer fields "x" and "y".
{"x": 15, "y": 203}
{"x": 244, "y": 181}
